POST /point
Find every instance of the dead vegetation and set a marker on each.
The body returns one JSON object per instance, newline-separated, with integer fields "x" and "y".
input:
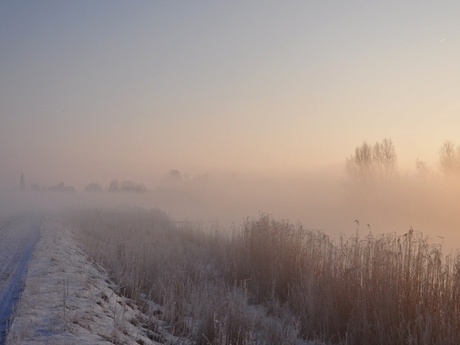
{"x": 272, "y": 282}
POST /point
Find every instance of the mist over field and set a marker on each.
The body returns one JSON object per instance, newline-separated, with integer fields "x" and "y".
{"x": 218, "y": 112}
{"x": 330, "y": 201}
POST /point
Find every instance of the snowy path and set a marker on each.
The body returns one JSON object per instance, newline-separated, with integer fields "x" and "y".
{"x": 17, "y": 240}
{"x": 70, "y": 300}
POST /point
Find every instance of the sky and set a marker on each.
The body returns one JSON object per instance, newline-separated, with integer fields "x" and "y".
{"x": 92, "y": 91}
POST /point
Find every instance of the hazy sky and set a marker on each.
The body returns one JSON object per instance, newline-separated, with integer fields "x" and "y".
{"x": 97, "y": 90}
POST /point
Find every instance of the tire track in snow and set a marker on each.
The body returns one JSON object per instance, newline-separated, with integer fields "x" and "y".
{"x": 17, "y": 241}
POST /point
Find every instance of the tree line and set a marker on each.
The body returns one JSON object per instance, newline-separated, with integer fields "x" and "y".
{"x": 379, "y": 161}
{"x": 373, "y": 161}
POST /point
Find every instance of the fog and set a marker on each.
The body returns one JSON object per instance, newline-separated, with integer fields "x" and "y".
{"x": 328, "y": 201}
{"x": 260, "y": 103}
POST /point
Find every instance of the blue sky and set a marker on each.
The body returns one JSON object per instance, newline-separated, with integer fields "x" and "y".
{"x": 100, "y": 90}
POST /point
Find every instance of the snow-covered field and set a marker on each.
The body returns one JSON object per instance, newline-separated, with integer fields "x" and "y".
{"x": 69, "y": 300}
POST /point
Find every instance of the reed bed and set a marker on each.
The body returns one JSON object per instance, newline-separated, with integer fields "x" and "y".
{"x": 273, "y": 282}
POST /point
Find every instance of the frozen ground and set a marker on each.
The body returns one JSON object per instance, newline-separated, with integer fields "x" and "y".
{"x": 69, "y": 300}
{"x": 18, "y": 237}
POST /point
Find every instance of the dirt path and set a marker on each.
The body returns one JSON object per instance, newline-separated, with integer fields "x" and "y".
{"x": 18, "y": 237}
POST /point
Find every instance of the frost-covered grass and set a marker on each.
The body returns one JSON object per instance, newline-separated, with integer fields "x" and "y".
{"x": 272, "y": 282}
{"x": 70, "y": 300}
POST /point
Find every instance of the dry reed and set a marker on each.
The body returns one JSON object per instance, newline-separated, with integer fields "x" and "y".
{"x": 272, "y": 282}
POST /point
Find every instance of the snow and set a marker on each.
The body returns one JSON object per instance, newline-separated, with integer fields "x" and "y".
{"x": 69, "y": 300}
{"x": 18, "y": 238}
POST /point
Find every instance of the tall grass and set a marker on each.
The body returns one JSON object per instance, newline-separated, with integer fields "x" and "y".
{"x": 272, "y": 282}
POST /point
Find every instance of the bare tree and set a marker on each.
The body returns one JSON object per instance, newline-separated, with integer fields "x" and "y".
{"x": 369, "y": 162}
{"x": 384, "y": 156}
{"x": 359, "y": 165}
{"x": 449, "y": 158}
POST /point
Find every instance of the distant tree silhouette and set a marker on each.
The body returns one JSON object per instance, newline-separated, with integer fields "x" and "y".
{"x": 35, "y": 187}
{"x": 93, "y": 187}
{"x": 422, "y": 167}
{"x": 384, "y": 156}
{"x": 174, "y": 175}
{"x": 61, "y": 187}
{"x": 372, "y": 161}
{"x": 359, "y": 165}
{"x": 449, "y": 158}
{"x": 113, "y": 186}
{"x": 130, "y": 186}
{"x": 126, "y": 186}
